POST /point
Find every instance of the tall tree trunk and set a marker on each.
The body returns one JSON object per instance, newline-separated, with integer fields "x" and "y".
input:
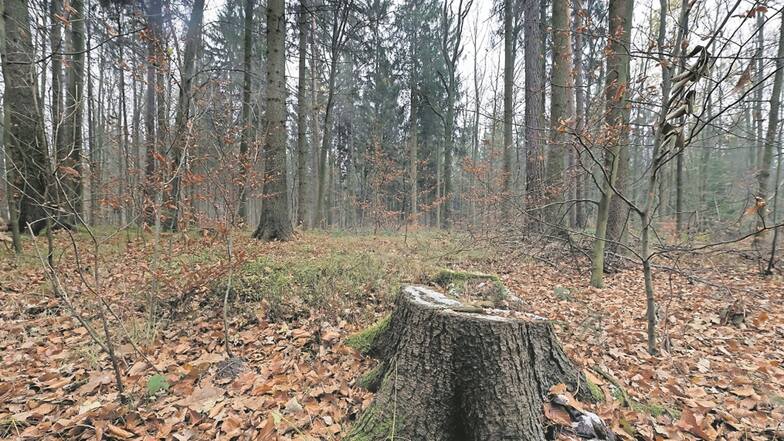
{"x": 275, "y": 223}
{"x": 413, "y": 147}
{"x": 339, "y": 21}
{"x": 7, "y": 174}
{"x": 472, "y": 182}
{"x": 619, "y": 210}
{"x": 247, "y": 47}
{"x": 325, "y": 141}
{"x": 452, "y": 22}
{"x": 125, "y": 194}
{"x": 302, "y": 142}
{"x": 56, "y": 40}
{"x": 439, "y": 186}
{"x": 763, "y": 177}
{"x": 561, "y": 108}
{"x": 775, "y": 211}
{"x": 579, "y": 68}
{"x": 759, "y": 75}
{"x": 180, "y": 141}
{"x": 74, "y": 105}
{"x": 679, "y": 184}
{"x": 616, "y": 91}
{"x": 95, "y": 153}
{"x": 510, "y": 37}
{"x": 534, "y": 103}
{"x": 446, "y": 213}
{"x": 24, "y": 130}
{"x": 315, "y": 137}
{"x": 136, "y": 182}
{"x": 151, "y": 148}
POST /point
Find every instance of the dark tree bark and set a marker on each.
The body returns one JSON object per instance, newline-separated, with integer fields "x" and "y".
{"x": 337, "y": 39}
{"x": 275, "y": 223}
{"x": 24, "y": 130}
{"x": 413, "y": 146}
{"x": 452, "y": 23}
{"x": 74, "y": 110}
{"x": 183, "y": 109}
{"x": 56, "y": 40}
{"x": 615, "y": 123}
{"x": 302, "y": 142}
{"x": 561, "y": 110}
{"x": 763, "y": 177}
{"x": 534, "y": 100}
{"x": 510, "y": 38}
{"x": 247, "y": 47}
{"x": 153, "y": 59}
{"x": 580, "y": 97}
{"x": 315, "y": 132}
{"x": 449, "y": 372}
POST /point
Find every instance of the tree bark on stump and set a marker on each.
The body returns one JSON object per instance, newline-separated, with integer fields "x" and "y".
{"x": 452, "y": 372}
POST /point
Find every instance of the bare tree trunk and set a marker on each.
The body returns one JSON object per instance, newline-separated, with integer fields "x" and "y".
{"x": 180, "y": 141}
{"x": 315, "y": 140}
{"x": 776, "y": 186}
{"x": 534, "y": 103}
{"x": 302, "y": 142}
{"x": 26, "y": 145}
{"x": 95, "y": 154}
{"x": 275, "y": 223}
{"x": 72, "y": 183}
{"x": 325, "y": 140}
{"x": 510, "y": 37}
{"x": 151, "y": 147}
{"x": 56, "y": 40}
{"x": 339, "y": 22}
{"x": 247, "y": 47}
{"x": 9, "y": 177}
{"x": 413, "y": 147}
{"x": 759, "y": 75}
{"x": 679, "y": 208}
{"x": 579, "y": 68}
{"x": 561, "y": 109}
{"x": 125, "y": 193}
{"x": 616, "y": 91}
{"x": 763, "y": 177}
{"x": 452, "y": 22}
{"x": 475, "y": 124}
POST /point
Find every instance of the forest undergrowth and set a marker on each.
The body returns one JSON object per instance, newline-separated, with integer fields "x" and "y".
{"x": 291, "y": 307}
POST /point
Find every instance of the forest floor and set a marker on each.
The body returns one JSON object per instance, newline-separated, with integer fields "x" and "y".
{"x": 292, "y": 306}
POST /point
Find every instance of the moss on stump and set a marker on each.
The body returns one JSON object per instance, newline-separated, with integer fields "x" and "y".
{"x": 448, "y": 373}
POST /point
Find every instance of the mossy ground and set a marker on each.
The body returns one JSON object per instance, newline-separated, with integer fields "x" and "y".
{"x": 596, "y": 391}
{"x": 363, "y": 341}
{"x": 332, "y": 272}
{"x": 373, "y": 378}
{"x": 328, "y": 273}
{"x": 650, "y": 408}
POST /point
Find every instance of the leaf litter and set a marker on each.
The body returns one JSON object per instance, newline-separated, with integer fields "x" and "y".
{"x": 295, "y": 379}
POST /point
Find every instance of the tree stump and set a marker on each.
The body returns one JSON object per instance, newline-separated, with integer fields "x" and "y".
{"x": 450, "y": 371}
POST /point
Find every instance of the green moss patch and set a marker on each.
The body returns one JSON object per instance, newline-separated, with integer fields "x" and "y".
{"x": 464, "y": 283}
{"x": 373, "y": 378}
{"x": 650, "y": 408}
{"x": 363, "y": 341}
{"x": 596, "y": 391}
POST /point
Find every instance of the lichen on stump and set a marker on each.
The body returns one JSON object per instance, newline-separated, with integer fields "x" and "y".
{"x": 450, "y": 371}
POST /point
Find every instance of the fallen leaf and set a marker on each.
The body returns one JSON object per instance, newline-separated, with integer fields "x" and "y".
{"x": 202, "y": 399}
